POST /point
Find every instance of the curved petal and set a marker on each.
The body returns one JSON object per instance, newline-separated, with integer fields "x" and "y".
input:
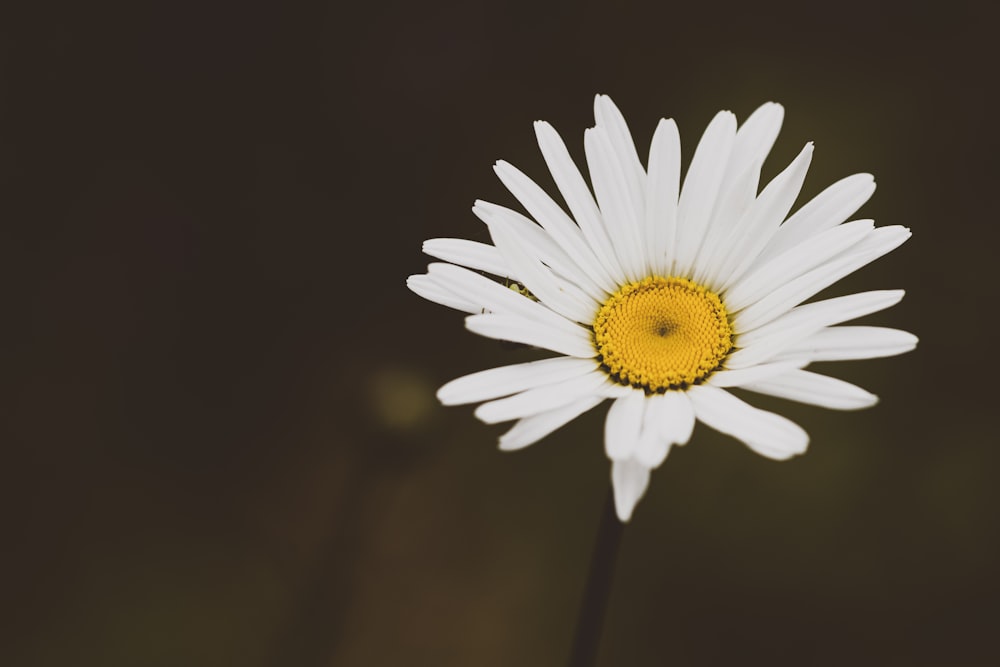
{"x": 505, "y": 380}
{"x": 551, "y": 217}
{"x": 669, "y": 421}
{"x": 877, "y": 243}
{"x": 762, "y": 220}
{"x": 494, "y": 297}
{"x": 742, "y": 376}
{"x": 764, "y": 432}
{"x": 580, "y": 201}
{"x": 623, "y": 425}
{"x": 630, "y": 480}
{"x": 701, "y": 188}
{"x": 662, "y": 189}
{"x": 571, "y": 339}
{"x": 827, "y": 209}
{"x": 540, "y": 399}
{"x": 651, "y": 449}
{"x": 561, "y": 296}
{"x": 729, "y": 211}
{"x": 754, "y": 140}
{"x": 607, "y": 115}
{"x": 853, "y": 342}
{"x": 616, "y": 198}
{"x": 424, "y": 286}
{"x": 530, "y": 430}
{"x": 824, "y": 313}
{"x": 470, "y": 254}
{"x": 753, "y": 143}
{"x": 678, "y": 417}
{"x": 771, "y": 340}
{"x": 540, "y": 241}
{"x": 768, "y": 276}
{"x": 815, "y": 389}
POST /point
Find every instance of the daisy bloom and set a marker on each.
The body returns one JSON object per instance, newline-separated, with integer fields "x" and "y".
{"x": 661, "y": 296}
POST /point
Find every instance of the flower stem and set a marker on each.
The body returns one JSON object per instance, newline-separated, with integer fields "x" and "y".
{"x": 595, "y": 597}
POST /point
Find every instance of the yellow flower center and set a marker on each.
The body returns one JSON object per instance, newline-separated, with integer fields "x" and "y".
{"x": 662, "y": 333}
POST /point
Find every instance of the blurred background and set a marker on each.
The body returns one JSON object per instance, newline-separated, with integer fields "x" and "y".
{"x": 221, "y": 445}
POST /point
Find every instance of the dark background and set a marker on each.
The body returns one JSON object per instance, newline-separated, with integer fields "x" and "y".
{"x": 221, "y": 445}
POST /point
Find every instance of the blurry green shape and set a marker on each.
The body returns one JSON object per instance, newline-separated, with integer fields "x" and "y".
{"x": 400, "y": 399}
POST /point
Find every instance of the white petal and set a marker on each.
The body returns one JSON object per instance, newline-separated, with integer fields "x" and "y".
{"x": 563, "y": 297}
{"x": 824, "y": 313}
{"x": 815, "y": 389}
{"x": 611, "y": 120}
{"x": 765, "y": 349}
{"x": 854, "y": 342}
{"x": 607, "y": 115}
{"x": 530, "y": 430}
{"x": 770, "y": 340}
{"x": 618, "y": 206}
{"x": 550, "y": 216}
{"x": 652, "y": 450}
{"x": 764, "y": 432}
{"x": 542, "y": 244}
{"x": 742, "y": 376}
{"x": 768, "y": 276}
{"x": 762, "y": 219}
{"x": 754, "y": 140}
{"x": 678, "y": 417}
{"x": 581, "y": 203}
{"x": 424, "y": 286}
{"x": 662, "y": 188}
{"x": 781, "y": 300}
{"x": 726, "y": 218}
{"x": 630, "y": 480}
{"x": 701, "y": 188}
{"x": 612, "y": 389}
{"x": 478, "y": 289}
{"x": 471, "y": 254}
{"x": 493, "y": 296}
{"x": 669, "y": 421}
{"x": 540, "y": 399}
{"x": 505, "y": 380}
{"x": 623, "y": 425}
{"x": 827, "y": 209}
{"x": 573, "y": 341}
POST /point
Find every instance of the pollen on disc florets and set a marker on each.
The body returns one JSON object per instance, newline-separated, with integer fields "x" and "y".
{"x": 662, "y": 333}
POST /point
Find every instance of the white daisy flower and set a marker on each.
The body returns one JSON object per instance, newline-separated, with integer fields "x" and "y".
{"x": 662, "y": 297}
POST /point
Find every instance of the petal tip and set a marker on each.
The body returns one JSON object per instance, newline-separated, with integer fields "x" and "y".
{"x": 506, "y": 446}
{"x": 484, "y": 414}
{"x": 667, "y": 123}
{"x": 444, "y": 395}
{"x": 624, "y": 513}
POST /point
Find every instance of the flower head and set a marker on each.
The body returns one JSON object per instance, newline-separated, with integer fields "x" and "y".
{"x": 661, "y": 297}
